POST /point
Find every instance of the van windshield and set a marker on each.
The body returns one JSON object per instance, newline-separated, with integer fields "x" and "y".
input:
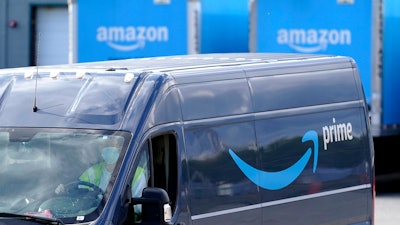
{"x": 58, "y": 173}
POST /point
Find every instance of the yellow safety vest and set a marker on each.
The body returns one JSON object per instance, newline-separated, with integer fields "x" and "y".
{"x": 93, "y": 174}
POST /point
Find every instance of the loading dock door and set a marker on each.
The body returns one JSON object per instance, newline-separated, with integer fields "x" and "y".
{"x": 52, "y": 24}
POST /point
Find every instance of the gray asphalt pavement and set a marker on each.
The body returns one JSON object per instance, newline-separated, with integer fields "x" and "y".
{"x": 387, "y": 208}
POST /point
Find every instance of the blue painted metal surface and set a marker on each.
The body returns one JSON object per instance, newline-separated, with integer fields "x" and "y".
{"x": 224, "y": 26}
{"x": 391, "y": 65}
{"x": 129, "y": 29}
{"x": 311, "y": 27}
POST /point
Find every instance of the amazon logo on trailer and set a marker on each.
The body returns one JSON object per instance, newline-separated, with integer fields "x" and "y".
{"x": 313, "y": 40}
{"x": 131, "y": 38}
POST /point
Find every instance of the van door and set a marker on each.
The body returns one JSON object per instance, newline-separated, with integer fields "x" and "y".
{"x": 219, "y": 192}
{"x": 159, "y": 163}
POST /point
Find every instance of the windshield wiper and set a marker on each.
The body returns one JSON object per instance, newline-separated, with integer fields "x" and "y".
{"x": 36, "y": 219}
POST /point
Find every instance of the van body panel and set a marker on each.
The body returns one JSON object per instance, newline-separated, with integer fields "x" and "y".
{"x": 338, "y": 165}
{"x": 260, "y": 138}
{"x": 303, "y": 86}
{"x": 167, "y": 108}
{"x": 209, "y": 100}
{"x": 308, "y": 210}
{"x": 218, "y": 190}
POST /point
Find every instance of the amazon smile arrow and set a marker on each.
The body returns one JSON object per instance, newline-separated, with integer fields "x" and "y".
{"x": 280, "y": 179}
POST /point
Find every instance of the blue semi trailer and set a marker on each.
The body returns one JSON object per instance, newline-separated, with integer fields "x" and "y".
{"x": 120, "y": 29}
{"x": 364, "y": 30}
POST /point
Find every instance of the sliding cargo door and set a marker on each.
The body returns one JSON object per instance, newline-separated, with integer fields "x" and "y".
{"x": 219, "y": 191}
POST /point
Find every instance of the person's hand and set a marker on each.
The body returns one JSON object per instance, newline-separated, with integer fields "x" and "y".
{"x": 60, "y": 189}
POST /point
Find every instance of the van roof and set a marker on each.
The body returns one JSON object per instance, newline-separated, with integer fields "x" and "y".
{"x": 167, "y": 63}
{"x": 98, "y": 94}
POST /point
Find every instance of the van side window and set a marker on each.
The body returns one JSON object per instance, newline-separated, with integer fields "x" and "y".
{"x": 141, "y": 176}
{"x": 156, "y": 167}
{"x": 164, "y": 173}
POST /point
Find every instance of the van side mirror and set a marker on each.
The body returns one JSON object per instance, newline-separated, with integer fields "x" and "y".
{"x": 155, "y": 207}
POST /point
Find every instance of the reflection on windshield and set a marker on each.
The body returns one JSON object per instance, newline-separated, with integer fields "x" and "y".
{"x": 57, "y": 173}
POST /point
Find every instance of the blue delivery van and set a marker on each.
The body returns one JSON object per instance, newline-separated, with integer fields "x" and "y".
{"x": 231, "y": 138}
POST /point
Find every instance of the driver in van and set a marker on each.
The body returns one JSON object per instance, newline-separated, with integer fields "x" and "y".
{"x": 100, "y": 173}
